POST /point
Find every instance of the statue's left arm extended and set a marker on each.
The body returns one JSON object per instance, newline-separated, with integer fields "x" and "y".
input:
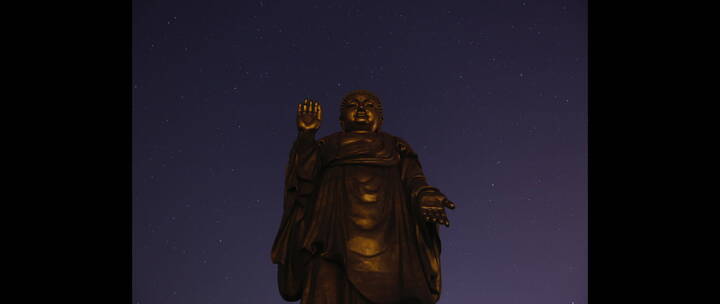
{"x": 431, "y": 201}
{"x": 428, "y": 205}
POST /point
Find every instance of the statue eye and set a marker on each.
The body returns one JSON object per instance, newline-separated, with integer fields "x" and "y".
{"x": 369, "y": 105}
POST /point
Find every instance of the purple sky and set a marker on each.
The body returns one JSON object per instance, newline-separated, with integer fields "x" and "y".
{"x": 491, "y": 94}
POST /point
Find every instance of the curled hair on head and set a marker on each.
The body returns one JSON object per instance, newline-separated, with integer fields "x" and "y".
{"x": 360, "y": 92}
{"x": 372, "y": 96}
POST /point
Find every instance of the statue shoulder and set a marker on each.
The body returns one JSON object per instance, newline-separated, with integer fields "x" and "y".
{"x": 329, "y": 138}
{"x": 404, "y": 147}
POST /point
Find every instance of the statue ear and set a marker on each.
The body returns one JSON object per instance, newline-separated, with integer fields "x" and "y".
{"x": 379, "y": 123}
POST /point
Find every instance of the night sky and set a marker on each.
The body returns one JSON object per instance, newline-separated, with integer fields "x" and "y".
{"x": 491, "y": 94}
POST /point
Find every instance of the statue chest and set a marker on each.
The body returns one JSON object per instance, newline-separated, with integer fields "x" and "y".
{"x": 367, "y": 196}
{"x": 366, "y": 149}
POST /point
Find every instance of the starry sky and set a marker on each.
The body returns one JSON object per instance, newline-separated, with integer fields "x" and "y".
{"x": 491, "y": 94}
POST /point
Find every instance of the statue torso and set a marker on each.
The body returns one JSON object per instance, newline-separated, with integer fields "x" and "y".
{"x": 372, "y": 191}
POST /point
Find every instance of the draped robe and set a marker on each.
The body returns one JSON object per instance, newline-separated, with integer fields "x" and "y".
{"x": 351, "y": 230}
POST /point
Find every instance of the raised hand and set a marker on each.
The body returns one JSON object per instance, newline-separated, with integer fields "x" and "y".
{"x": 309, "y": 115}
{"x": 432, "y": 207}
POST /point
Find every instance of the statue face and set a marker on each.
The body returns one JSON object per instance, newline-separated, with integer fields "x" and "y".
{"x": 361, "y": 114}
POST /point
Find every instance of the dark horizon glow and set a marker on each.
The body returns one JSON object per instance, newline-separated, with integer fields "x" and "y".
{"x": 491, "y": 94}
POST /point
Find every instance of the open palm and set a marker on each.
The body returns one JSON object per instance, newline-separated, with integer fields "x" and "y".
{"x": 309, "y": 115}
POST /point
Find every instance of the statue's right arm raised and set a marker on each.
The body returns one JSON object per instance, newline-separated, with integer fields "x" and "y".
{"x": 300, "y": 174}
{"x": 304, "y": 158}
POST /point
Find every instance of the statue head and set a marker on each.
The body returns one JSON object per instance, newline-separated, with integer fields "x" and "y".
{"x": 361, "y": 112}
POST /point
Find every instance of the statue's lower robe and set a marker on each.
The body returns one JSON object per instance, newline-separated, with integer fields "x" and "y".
{"x": 360, "y": 222}
{"x": 358, "y": 238}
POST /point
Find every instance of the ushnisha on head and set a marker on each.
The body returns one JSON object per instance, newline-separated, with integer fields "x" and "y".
{"x": 361, "y": 112}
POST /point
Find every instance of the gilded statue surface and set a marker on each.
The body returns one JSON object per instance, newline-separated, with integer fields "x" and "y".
{"x": 360, "y": 222}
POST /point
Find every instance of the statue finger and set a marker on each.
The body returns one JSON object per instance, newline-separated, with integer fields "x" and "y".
{"x": 319, "y": 112}
{"x": 299, "y": 111}
{"x": 436, "y": 215}
{"x": 449, "y": 204}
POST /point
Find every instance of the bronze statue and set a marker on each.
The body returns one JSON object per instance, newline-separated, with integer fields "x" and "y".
{"x": 360, "y": 222}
